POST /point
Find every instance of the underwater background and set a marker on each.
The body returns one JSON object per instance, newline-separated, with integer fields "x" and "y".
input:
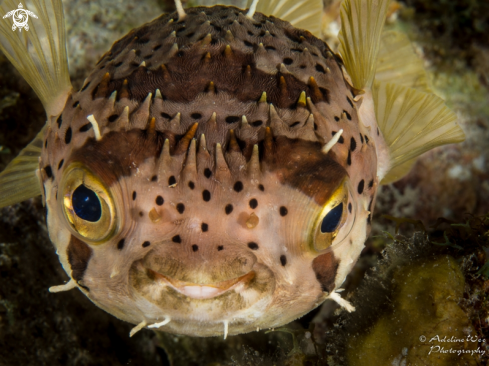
{"x": 422, "y": 273}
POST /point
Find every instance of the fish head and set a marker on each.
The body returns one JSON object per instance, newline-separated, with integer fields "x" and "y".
{"x": 199, "y": 180}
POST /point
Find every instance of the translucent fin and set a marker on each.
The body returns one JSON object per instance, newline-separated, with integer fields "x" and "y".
{"x": 361, "y": 26}
{"x": 398, "y": 61}
{"x": 39, "y": 53}
{"x": 398, "y": 172}
{"x": 412, "y": 122}
{"x": 303, "y": 14}
{"x": 19, "y": 181}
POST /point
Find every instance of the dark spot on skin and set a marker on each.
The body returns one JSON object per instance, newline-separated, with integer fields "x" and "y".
{"x": 253, "y": 203}
{"x": 120, "y": 244}
{"x": 85, "y": 127}
{"x": 196, "y": 115}
{"x": 141, "y": 214}
{"x": 146, "y": 244}
{"x": 207, "y": 172}
{"x": 76, "y": 104}
{"x": 165, "y": 115}
{"x": 171, "y": 180}
{"x": 320, "y": 68}
{"x": 228, "y": 209}
{"x": 180, "y": 53}
{"x": 156, "y": 48}
{"x": 378, "y": 132}
{"x": 204, "y": 227}
{"x": 219, "y": 248}
{"x": 361, "y": 185}
{"x": 288, "y": 61}
{"x": 361, "y": 138}
{"x": 195, "y": 247}
{"x": 347, "y": 115}
{"x": 296, "y": 123}
{"x": 206, "y": 195}
{"x": 159, "y": 200}
{"x": 176, "y": 239}
{"x": 181, "y": 208}
{"x": 341, "y": 139}
{"x": 283, "y": 211}
{"x": 59, "y": 121}
{"x": 257, "y": 123}
{"x": 270, "y": 48}
{"x": 353, "y": 144}
{"x": 154, "y": 178}
{"x": 46, "y": 143}
{"x": 134, "y": 195}
{"x": 261, "y": 187}
{"x": 79, "y": 253}
{"x": 252, "y": 245}
{"x": 283, "y": 260}
{"x": 113, "y": 118}
{"x": 60, "y": 165}
{"x": 232, "y": 119}
{"x": 366, "y": 139}
{"x": 348, "y": 160}
{"x": 350, "y": 207}
{"x": 349, "y": 101}
{"x": 238, "y": 186}
{"x": 49, "y": 171}
{"x": 248, "y": 44}
{"x": 118, "y": 64}
{"x": 68, "y": 135}
{"x": 191, "y": 185}
{"x": 86, "y": 86}
{"x": 337, "y": 119}
{"x": 370, "y": 184}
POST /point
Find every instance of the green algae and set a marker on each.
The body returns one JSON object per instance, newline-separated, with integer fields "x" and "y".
{"x": 426, "y": 299}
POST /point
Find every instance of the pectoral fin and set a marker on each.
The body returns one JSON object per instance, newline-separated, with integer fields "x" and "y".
{"x": 39, "y": 54}
{"x": 398, "y": 62}
{"x": 412, "y": 122}
{"x": 361, "y": 28}
{"x": 19, "y": 181}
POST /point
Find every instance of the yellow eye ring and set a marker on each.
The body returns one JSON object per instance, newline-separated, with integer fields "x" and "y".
{"x": 330, "y": 220}
{"x": 96, "y": 223}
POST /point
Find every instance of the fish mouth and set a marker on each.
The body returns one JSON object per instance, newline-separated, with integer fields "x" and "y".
{"x": 199, "y": 291}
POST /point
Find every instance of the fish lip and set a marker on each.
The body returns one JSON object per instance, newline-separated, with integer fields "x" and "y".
{"x": 199, "y": 291}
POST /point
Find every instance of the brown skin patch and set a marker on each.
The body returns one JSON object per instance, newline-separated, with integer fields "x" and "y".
{"x": 118, "y": 152}
{"x": 79, "y": 254}
{"x": 325, "y": 267}
{"x": 301, "y": 164}
{"x": 189, "y": 72}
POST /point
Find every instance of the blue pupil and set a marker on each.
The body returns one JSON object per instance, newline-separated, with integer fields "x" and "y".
{"x": 332, "y": 219}
{"x": 86, "y": 204}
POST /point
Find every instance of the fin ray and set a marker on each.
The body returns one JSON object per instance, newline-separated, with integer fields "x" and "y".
{"x": 398, "y": 61}
{"x": 39, "y": 54}
{"x": 361, "y": 27}
{"x": 19, "y": 182}
{"x": 412, "y": 122}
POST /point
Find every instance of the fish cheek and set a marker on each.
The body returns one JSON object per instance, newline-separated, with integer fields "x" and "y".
{"x": 325, "y": 266}
{"x": 79, "y": 254}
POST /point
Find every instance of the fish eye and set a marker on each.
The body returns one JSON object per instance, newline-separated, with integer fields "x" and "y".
{"x": 87, "y": 204}
{"x": 331, "y": 219}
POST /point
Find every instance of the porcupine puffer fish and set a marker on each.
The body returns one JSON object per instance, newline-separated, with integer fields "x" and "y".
{"x": 218, "y": 169}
